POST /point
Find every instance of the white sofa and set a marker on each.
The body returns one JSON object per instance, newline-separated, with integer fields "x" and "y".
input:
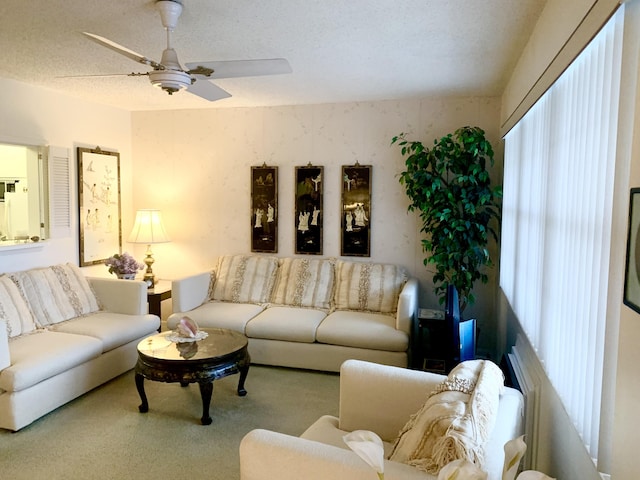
{"x": 311, "y": 313}
{"x": 62, "y": 334}
{"x": 373, "y": 397}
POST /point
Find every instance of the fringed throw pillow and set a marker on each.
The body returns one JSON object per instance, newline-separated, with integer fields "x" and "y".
{"x": 455, "y": 422}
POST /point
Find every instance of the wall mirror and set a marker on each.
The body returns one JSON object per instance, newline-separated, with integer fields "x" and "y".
{"x": 23, "y": 196}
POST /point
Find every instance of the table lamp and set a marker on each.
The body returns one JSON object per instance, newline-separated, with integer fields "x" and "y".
{"x": 148, "y": 229}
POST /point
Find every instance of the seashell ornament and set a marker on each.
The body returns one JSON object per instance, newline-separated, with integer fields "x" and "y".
{"x": 187, "y": 327}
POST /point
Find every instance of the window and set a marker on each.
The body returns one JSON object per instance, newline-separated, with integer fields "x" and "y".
{"x": 558, "y": 199}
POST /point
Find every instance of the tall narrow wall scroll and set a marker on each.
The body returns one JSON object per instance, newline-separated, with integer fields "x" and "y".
{"x": 308, "y": 215}
{"x": 264, "y": 209}
{"x": 356, "y": 211}
{"x": 99, "y": 205}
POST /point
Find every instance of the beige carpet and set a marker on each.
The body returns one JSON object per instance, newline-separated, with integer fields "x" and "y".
{"x": 101, "y": 435}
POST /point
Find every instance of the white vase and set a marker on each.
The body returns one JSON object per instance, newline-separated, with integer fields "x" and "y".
{"x": 126, "y": 276}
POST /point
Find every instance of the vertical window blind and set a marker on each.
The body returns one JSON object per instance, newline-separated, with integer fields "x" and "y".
{"x": 556, "y": 227}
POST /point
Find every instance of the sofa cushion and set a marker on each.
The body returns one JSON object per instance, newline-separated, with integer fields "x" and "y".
{"x": 304, "y": 282}
{"x": 244, "y": 278}
{"x": 326, "y": 429}
{"x": 455, "y": 422}
{"x": 233, "y": 316}
{"x": 290, "y": 324}
{"x": 362, "y": 330}
{"x": 43, "y": 354}
{"x": 14, "y": 309}
{"x": 112, "y": 329}
{"x": 368, "y": 286}
{"x": 56, "y": 293}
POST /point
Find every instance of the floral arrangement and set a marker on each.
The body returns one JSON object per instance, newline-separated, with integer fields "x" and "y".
{"x": 123, "y": 264}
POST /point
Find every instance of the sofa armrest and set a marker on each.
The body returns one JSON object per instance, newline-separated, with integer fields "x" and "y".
{"x": 5, "y": 358}
{"x": 120, "y": 296}
{"x": 266, "y": 455}
{"x": 381, "y": 398}
{"x": 190, "y": 292}
{"x": 407, "y": 306}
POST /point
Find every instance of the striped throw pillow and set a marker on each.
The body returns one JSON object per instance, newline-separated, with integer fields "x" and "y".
{"x": 303, "y": 282}
{"x": 244, "y": 278}
{"x": 14, "y": 309}
{"x": 56, "y": 293}
{"x": 372, "y": 287}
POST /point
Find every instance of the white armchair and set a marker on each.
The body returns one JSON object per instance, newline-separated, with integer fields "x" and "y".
{"x": 372, "y": 397}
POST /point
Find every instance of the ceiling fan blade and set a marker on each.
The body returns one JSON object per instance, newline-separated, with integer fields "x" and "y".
{"x": 132, "y": 74}
{"x": 136, "y": 57}
{"x": 239, "y": 68}
{"x": 207, "y": 90}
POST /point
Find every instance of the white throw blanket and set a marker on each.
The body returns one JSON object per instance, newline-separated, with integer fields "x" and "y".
{"x": 456, "y": 420}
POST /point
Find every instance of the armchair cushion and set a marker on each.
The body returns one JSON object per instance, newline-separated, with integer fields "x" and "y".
{"x": 455, "y": 422}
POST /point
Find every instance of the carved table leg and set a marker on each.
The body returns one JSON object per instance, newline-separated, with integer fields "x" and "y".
{"x": 144, "y": 406}
{"x": 206, "y": 390}
{"x": 244, "y": 371}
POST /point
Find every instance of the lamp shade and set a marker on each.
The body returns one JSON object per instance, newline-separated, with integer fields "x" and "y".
{"x": 148, "y": 228}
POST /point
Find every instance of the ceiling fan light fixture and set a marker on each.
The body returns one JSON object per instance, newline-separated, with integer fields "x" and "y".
{"x": 171, "y": 81}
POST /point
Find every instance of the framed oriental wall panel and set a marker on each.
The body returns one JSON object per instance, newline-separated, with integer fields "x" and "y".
{"x": 356, "y": 211}
{"x": 99, "y": 205}
{"x": 308, "y": 214}
{"x": 264, "y": 209}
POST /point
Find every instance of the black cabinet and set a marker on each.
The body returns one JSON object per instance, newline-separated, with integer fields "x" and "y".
{"x": 442, "y": 341}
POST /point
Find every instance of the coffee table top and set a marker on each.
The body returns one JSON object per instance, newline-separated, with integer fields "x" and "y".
{"x": 219, "y": 343}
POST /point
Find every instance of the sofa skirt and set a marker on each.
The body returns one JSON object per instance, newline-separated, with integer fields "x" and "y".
{"x": 317, "y": 356}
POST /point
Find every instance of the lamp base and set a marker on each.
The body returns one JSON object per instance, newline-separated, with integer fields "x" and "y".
{"x": 149, "y": 277}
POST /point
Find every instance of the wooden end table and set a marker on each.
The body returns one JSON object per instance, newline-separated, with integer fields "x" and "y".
{"x": 156, "y": 295}
{"x": 222, "y": 353}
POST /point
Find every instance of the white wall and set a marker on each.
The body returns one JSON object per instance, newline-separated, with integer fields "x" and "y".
{"x": 194, "y": 165}
{"x": 31, "y": 115}
{"x": 561, "y": 453}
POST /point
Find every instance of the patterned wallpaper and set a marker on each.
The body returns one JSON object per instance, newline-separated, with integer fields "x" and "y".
{"x": 194, "y": 165}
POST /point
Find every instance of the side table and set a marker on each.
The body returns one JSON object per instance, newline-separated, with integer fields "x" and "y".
{"x": 161, "y": 291}
{"x": 443, "y": 341}
{"x": 431, "y": 337}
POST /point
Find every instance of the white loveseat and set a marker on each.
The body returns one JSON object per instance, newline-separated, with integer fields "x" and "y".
{"x": 381, "y": 399}
{"x": 62, "y": 334}
{"x": 311, "y": 313}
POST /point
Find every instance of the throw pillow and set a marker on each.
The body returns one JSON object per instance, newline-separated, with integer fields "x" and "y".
{"x": 368, "y": 286}
{"x": 303, "y": 282}
{"x": 245, "y": 278}
{"x": 56, "y": 293}
{"x": 455, "y": 422}
{"x": 14, "y": 309}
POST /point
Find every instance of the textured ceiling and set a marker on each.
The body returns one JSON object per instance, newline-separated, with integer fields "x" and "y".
{"x": 339, "y": 50}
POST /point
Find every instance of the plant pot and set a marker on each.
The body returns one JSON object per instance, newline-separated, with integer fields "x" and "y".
{"x": 126, "y": 276}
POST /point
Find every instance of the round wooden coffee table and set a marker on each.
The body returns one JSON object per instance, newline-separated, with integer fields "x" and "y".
{"x": 222, "y": 353}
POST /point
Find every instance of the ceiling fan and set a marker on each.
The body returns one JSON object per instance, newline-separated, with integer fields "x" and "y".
{"x": 171, "y": 77}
